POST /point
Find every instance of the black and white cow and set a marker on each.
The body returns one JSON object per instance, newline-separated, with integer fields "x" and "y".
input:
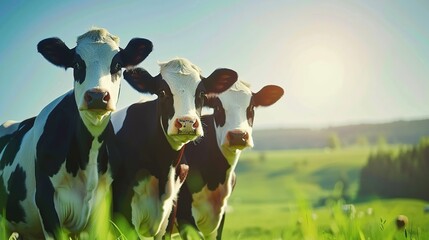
{"x": 212, "y": 160}
{"x": 51, "y": 165}
{"x": 151, "y": 137}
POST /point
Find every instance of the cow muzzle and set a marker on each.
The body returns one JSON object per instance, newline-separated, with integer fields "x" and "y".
{"x": 238, "y": 139}
{"x": 96, "y": 99}
{"x": 186, "y": 126}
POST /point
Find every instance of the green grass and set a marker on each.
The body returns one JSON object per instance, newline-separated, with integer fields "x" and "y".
{"x": 278, "y": 194}
{"x": 284, "y": 175}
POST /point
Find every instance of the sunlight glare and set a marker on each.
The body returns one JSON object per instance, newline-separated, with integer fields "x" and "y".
{"x": 320, "y": 71}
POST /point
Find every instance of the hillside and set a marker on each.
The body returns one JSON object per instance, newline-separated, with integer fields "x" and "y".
{"x": 398, "y": 132}
{"x": 277, "y": 194}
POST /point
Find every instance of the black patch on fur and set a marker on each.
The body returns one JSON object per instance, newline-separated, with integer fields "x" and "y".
{"x": 127, "y": 168}
{"x": 17, "y": 193}
{"x": 3, "y": 195}
{"x": 207, "y": 166}
{"x": 219, "y": 111}
{"x": 107, "y": 148}
{"x": 250, "y": 112}
{"x": 12, "y": 143}
{"x": 200, "y": 96}
{"x": 206, "y": 161}
{"x": 64, "y": 139}
{"x": 79, "y": 69}
{"x": 4, "y": 140}
{"x": 165, "y": 107}
{"x": 184, "y": 205}
{"x": 116, "y": 64}
{"x": 116, "y": 68}
{"x": 58, "y": 142}
{"x": 79, "y": 147}
{"x": 45, "y": 202}
{"x": 144, "y": 152}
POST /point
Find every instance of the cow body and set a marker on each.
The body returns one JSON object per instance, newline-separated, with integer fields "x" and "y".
{"x": 145, "y": 176}
{"x": 150, "y": 138}
{"x": 203, "y": 198}
{"x": 212, "y": 160}
{"x": 53, "y": 166}
{"x": 73, "y": 168}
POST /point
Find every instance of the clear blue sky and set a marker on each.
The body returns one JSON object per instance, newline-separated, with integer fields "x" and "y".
{"x": 339, "y": 62}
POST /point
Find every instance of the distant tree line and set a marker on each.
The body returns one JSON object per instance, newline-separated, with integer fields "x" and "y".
{"x": 361, "y": 135}
{"x": 334, "y": 142}
{"x": 397, "y": 175}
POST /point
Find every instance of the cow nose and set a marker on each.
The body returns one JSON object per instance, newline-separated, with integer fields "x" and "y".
{"x": 186, "y": 125}
{"x": 237, "y": 138}
{"x": 96, "y": 99}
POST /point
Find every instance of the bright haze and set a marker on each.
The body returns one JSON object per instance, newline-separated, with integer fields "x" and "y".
{"x": 339, "y": 62}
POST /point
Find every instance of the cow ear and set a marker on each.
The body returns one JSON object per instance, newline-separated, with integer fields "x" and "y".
{"x": 56, "y": 52}
{"x": 268, "y": 95}
{"x": 141, "y": 80}
{"x": 220, "y": 80}
{"x": 135, "y": 52}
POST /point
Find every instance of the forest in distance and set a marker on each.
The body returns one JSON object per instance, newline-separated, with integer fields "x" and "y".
{"x": 397, "y": 132}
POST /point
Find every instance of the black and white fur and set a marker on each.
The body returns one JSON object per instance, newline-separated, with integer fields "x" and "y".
{"x": 151, "y": 136}
{"x": 51, "y": 165}
{"x": 212, "y": 160}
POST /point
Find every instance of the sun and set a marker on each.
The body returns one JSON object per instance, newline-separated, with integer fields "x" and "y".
{"x": 320, "y": 73}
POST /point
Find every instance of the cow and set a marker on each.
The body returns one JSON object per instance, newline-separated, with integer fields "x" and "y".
{"x": 52, "y": 164}
{"x": 212, "y": 160}
{"x": 151, "y": 137}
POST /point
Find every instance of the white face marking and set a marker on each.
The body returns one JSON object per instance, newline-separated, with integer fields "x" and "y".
{"x": 235, "y": 102}
{"x": 183, "y": 79}
{"x": 97, "y": 56}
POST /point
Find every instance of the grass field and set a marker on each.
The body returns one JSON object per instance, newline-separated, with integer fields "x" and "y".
{"x": 278, "y": 195}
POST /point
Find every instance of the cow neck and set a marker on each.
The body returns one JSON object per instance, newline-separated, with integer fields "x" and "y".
{"x": 95, "y": 130}
{"x": 84, "y": 140}
{"x": 78, "y": 156}
{"x": 179, "y": 149}
{"x": 69, "y": 142}
{"x": 206, "y": 161}
{"x": 229, "y": 158}
{"x": 179, "y": 157}
{"x": 166, "y": 158}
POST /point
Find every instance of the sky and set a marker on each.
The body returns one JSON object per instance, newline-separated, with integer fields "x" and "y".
{"x": 339, "y": 62}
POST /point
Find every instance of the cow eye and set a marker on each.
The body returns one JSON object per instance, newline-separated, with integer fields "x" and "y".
{"x": 162, "y": 93}
{"x": 118, "y": 67}
{"x": 115, "y": 68}
{"x": 76, "y": 66}
{"x": 250, "y": 114}
{"x": 202, "y": 95}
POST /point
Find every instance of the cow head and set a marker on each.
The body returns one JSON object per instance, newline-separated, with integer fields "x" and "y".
{"x": 234, "y": 114}
{"x": 97, "y": 63}
{"x": 181, "y": 93}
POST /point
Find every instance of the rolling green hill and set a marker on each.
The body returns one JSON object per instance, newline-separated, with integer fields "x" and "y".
{"x": 278, "y": 194}
{"x": 399, "y": 132}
